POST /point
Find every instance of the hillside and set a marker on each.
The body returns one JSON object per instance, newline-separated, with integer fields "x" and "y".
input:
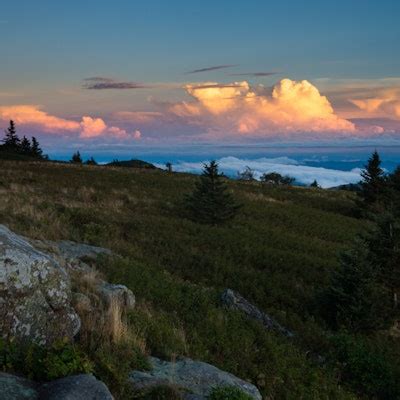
{"x": 278, "y": 254}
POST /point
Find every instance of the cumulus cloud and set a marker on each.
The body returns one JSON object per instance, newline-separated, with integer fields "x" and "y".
{"x": 283, "y": 165}
{"x": 33, "y": 115}
{"x": 293, "y": 106}
{"x": 87, "y": 128}
{"x": 386, "y": 103}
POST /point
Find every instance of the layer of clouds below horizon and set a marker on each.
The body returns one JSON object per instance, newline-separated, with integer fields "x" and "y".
{"x": 283, "y": 165}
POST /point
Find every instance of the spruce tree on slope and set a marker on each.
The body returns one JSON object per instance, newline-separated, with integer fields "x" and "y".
{"x": 76, "y": 158}
{"x": 36, "y": 151}
{"x": 11, "y": 140}
{"x": 25, "y": 146}
{"x": 211, "y": 202}
{"x": 373, "y": 183}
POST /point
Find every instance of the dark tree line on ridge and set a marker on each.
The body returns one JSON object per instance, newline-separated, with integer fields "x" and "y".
{"x": 14, "y": 145}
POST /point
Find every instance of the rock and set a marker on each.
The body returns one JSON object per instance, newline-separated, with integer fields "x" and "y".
{"x": 197, "y": 378}
{"x": 235, "y": 301}
{"x": 70, "y": 254}
{"x": 35, "y": 296}
{"x": 77, "y": 387}
{"x": 120, "y": 293}
{"x": 15, "y": 388}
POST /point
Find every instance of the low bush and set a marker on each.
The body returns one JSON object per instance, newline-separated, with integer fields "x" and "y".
{"x": 228, "y": 393}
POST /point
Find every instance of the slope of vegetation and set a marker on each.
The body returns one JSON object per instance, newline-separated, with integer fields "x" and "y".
{"x": 279, "y": 253}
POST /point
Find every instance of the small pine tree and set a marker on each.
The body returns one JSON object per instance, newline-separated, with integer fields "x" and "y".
{"x": 76, "y": 158}
{"x": 168, "y": 166}
{"x": 25, "y": 146}
{"x": 373, "y": 183}
{"x": 91, "y": 161}
{"x": 11, "y": 140}
{"x": 314, "y": 184}
{"x": 36, "y": 151}
{"x": 211, "y": 202}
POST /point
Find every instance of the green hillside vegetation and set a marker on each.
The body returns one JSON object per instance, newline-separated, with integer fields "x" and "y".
{"x": 280, "y": 252}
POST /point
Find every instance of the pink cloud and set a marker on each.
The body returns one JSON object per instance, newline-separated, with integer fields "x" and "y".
{"x": 385, "y": 103}
{"x": 33, "y": 115}
{"x": 88, "y": 128}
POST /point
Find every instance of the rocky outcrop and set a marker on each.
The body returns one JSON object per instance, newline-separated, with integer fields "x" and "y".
{"x": 15, "y": 388}
{"x": 77, "y": 387}
{"x": 36, "y": 301}
{"x": 34, "y": 293}
{"x": 235, "y": 301}
{"x": 195, "y": 378}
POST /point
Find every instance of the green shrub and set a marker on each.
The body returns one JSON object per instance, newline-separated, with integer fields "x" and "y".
{"x": 368, "y": 367}
{"x": 162, "y": 392}
{"x": 228, "y": 393}
{"x": 41, "y": 363}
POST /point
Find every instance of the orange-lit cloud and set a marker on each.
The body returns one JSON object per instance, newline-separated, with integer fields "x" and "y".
{"x": 86, "y": 129}
{"x": 386, "y": 103}
{"x": 293, "y": 106}
{"x": 33, "y": 115}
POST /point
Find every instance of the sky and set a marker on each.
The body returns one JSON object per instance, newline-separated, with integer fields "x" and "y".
{"x": 131, "y": 76}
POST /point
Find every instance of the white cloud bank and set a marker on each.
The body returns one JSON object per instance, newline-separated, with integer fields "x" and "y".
{"x": 283, "y": 165}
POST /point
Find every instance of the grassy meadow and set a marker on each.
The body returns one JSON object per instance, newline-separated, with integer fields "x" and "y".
{"x": 278, "y": 253}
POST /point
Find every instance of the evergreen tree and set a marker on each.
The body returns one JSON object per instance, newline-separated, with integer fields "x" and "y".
{"x": 373, "y": 183}
{"x": 314, "y": 184}
{"x": 384, "y": 245}
{"x": 211, "y": 202}
{"x": 36, "y": 151}
{"x": 356, "y": 298}
{"x": 11, "y": 140}
{"x": 392, "y": 193}
{"x": 91, "y": 161}
{"x": 25, "y": 146}
{"x": 168, "y": 166}
{"x": 76, "y": 158}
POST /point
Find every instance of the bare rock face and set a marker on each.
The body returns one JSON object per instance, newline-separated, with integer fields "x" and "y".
{"x": 75, "y": 387}
{"x": 195, "y": 378}
{"x": 34, "y": 293}
{"x": 235, "y": 301}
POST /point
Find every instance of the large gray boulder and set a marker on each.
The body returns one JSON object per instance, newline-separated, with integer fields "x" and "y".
{"x": 15, "y": 388}
{"x": 77, "y": 387}
{"x": 35, "y": 296}
{"x": 195, "y": 377}
{"x": 235, "y": 301}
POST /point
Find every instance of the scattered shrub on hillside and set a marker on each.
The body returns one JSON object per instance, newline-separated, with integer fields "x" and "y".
{"x": 161, "y": 392}
{"x": 273, "y": 178}
{"x": 228, "y": 393}
{"x": 43, "y": 363}
{"x": 369, "y": 369}
{"x": 246, "y": 175}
